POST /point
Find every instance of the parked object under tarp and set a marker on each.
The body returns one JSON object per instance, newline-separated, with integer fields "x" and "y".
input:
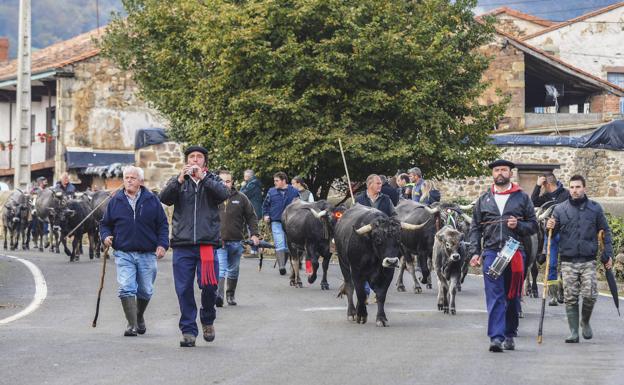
{"x": 149, "y": 137}
{"x": 609, "y": 137}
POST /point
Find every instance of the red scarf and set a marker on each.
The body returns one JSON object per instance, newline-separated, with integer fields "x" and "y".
{"x": 207, "y": 268}
{"x": 517, "y": 265}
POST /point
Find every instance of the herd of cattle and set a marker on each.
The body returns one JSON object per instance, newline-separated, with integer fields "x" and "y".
{"x": 48, "y": 216}
{"x": 369, "y": 244}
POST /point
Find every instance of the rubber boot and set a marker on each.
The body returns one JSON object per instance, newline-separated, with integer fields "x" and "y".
{"x": 281, "y": 261}
{"x": 220, "y": 287}
{"x": 560, "y": 292}
{"x": 552, "y": 293}
{"x": 572, "y": 311}
{"x": 231, "y": 289}
{"x": 586, "y": 312}
{"x": 130, "y": 310}
{"x": 141, "y": 306}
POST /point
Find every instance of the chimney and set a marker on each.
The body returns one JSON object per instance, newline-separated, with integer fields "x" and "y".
{"x": 4, "y": 49}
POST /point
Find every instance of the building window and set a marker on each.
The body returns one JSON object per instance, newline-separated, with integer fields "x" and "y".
{"x": 616, "y": 78}
{"x": 32, "y": 128}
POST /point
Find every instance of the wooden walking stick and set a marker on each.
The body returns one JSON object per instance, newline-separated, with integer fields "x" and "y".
{"x": 545, "y": 294}
{"x": 97, "y": 306}
{"x": 344, "y": 161}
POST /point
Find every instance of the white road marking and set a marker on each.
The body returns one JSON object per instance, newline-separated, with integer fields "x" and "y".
{"x": 41, "y": 291}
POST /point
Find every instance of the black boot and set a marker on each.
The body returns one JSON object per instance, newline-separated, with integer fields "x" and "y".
{"x": 130, "y": 310}
{"x": 219, "y": 300}
{"x": 231, "y": 289}
{"x": 141, "y": 306}
{"x": 572, "y": 311}
{"x": 281, "y": 261}
{"x": 560, "y": 292}
{"x": 586, "y": 312}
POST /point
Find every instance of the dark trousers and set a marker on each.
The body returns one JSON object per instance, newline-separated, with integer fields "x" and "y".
{"x": 186, "y": 264}
{"x": 502, "y": 312}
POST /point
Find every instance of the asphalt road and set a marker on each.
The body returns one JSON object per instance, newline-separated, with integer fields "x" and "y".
{"x": 282, "y": 335}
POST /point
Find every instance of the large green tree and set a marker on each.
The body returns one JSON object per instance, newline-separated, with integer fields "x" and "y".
{"x": 272, "y": 84}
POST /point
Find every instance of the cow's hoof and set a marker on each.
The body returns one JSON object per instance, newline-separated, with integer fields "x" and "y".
{"x": 311, "y": 278}
{"x": 417, "y": 290}
{"x": 41, "y": 249}
{"x": 282, "y": 271}
{"x": 453, "y": 311}
{"x": 401, "y": 288}
{"x": 324, "y": 286}
{"x": 440, "y": 307}
{"x": 361, "y": 319}
{"x": 351, "y": 317}
{"x": 446, "y": 310}
{"x": 299, "y": 285}
{"x": 429, "y": 286}
{"x": 292, "y": 282}
{"x": 458, "y": 288}
{"x": 382, "y": 322}
{"x": 90, "y": 256}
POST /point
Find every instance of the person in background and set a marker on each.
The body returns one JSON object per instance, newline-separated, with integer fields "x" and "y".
{"x": 390, "y": 191}
{"x": 304, "y": 194}
{"x": 429, "y": 193}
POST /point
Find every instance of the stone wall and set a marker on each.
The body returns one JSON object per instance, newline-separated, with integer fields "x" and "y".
{"x": 506, "y": 77}
{"x": 99, "y": 108}
{"x": 603, "y": 170}
{"x": 160, "y": 162}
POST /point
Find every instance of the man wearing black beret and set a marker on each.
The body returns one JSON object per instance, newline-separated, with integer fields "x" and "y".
{"x": 195, "y": 195}
{"x": 503, "y": 212}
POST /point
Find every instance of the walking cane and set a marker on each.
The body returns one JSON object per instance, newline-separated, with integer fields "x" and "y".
{"x": 545, "y": 294}
{"x": 344, "y": 161}
{"x": 97, "y": 306}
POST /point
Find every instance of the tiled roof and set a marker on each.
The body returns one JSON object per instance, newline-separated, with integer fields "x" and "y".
{"x": 576, "y": 20}
{"x": 520, "y": 15}
{"x": 57, "y": 55}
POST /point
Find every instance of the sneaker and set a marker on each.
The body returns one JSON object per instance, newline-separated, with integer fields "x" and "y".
{"x": 188, "y": 341}
{"x": 209, "y": 332}
{"x": 509, "y": 344}
{"x": 496, "y": 346}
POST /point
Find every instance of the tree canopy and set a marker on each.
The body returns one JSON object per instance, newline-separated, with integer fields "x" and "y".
{"x": 272, "y": 84}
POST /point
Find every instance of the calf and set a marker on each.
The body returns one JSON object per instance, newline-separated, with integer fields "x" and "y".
{"x": 70, "y": 216}
{"x": 15, "y": 216}
{"x": 447, "y": 263}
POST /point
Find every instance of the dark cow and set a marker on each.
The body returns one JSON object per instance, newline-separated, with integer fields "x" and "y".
{"x": 447, "y": 263}
{"x": 96, "y": 200}
{"x": 48, "y": 206}
{"x": 309, "y": 228}
{"x": 368, "y": 244}
{"x": 70, "y": 217}
{"x": 15, "y": 215}
{"x": 419, "y": 243}
{"x": 535, "y": 244}
{"x": 454, "y": 215}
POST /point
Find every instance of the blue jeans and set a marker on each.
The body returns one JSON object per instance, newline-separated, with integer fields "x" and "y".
{"x": 554, "y": 252}
{"x": 229, "y": 259}
{"x": 279, "y": 236}
{"x": 186, "y": 263}
{"x": 136, "y": 273}
{"x": 502, "y": 312}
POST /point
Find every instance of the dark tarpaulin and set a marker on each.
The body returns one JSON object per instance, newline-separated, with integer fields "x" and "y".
{"x": 149, "y": 136}
{"x": 609, "y": 137}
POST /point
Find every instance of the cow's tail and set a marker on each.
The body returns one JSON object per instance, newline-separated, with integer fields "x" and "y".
{"x": 342, "y": 291}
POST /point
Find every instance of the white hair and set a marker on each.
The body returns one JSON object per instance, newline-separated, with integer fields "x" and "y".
{"x": 134, "y": 169}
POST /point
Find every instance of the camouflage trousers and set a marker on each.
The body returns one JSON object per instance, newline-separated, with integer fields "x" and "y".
{"x": 579, "y": 278}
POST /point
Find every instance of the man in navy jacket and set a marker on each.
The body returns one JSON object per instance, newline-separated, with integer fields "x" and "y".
{"x": 135, "y": 225}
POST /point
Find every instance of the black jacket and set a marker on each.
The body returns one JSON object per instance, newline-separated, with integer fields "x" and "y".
{"x": 391, "y": 192}
{"x": 496, "y": 234}
{"x": 195, "y": 210}
{"x": 383, "y": 203}
{"x": 237, "y": 213}
{"x": 561, "y": 194}
{"x": 578, "y": 227}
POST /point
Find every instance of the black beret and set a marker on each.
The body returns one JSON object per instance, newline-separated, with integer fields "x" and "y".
{"x": 195, "y": 149}
{"x": 502, "y": 162}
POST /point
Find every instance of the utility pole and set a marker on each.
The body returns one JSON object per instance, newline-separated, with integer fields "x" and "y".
{"x": 22, "y": 146}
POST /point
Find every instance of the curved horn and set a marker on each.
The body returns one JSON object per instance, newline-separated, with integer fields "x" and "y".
{"x": 467, "y": 218}
{"x": 364, "y": 229}
{"x": 546, "y": 213}
{"x": 411, "y": 227}
{"x": 317, "y": 214}
{"x": 466, "y": 207}
{"x": 432, "y": 211}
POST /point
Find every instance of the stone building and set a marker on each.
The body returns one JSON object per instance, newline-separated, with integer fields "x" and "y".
{"x": 86, "y": 113}
{"x": 518, "y": 24}
{"x": 592, "y": 42}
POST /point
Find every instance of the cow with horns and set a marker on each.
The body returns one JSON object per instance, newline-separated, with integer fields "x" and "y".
{"x": 309, "y": 229}
{"x": 368, "y": 244}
